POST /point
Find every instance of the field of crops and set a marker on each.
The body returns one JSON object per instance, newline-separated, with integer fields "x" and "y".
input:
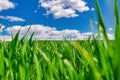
{"x": 91, "y": 59}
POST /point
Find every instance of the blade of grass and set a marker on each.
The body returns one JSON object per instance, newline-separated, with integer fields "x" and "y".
{"x": 38, "y": 68}
{"x": 2, "y": 69}
{"x": 90, "y": 60}
{"x": 22, "y": 72}
{"x": 117, "y": 40}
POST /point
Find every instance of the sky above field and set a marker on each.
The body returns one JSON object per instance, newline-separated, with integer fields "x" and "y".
{"x": 53, "y": 19}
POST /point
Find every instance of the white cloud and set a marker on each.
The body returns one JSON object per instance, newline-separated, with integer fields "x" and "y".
{"x": 110, "y": 29}
{"x": 1, "y": 27}
{"x": 92, "y": 9}
{"x": 42, "y": 32}
{"x": 6, "y": 4}
{"x": 96, "y": 22}
{"x": 5, "y": 38}
{"x": 12, "y": 18}
{"x": 110, "y": 36}
{"x": 64, "y": 8}
{"x": 35, "y": 11}
{"x": 46, "y": 33}
{"x": 87, "y": 34}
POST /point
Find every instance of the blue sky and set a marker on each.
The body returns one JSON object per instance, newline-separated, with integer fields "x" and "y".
{"x": 61, "y": 16}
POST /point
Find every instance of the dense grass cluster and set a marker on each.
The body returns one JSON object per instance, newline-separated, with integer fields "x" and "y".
{"x": 63, "y": 60}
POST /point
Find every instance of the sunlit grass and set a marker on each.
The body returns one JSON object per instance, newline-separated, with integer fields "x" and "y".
{"x": 63, "y": 60}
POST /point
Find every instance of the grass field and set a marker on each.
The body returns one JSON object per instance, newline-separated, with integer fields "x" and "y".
{"x": 63, "y": 60}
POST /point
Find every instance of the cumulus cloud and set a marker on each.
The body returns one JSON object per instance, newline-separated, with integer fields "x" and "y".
{"x": 1, "y": 27}
{"x": 5, "y": 38}
{"x": 35, "y": 11}
{"x": 64, "y": 8}
{"x": 45, "y": 32}
{"x": 87, "y": 34}
{"x": 12, "y": 18}
{"x": 6, "y": 4}
{"x": 92, "y": 9}
{"x": 95, "y": 22}
{"x": 110, "y": 36}
{"x": 42, "y": 32}
{"x": 110, "y": 29}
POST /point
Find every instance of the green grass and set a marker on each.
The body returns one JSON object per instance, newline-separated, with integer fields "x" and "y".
{"x": 63, "y": 60}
